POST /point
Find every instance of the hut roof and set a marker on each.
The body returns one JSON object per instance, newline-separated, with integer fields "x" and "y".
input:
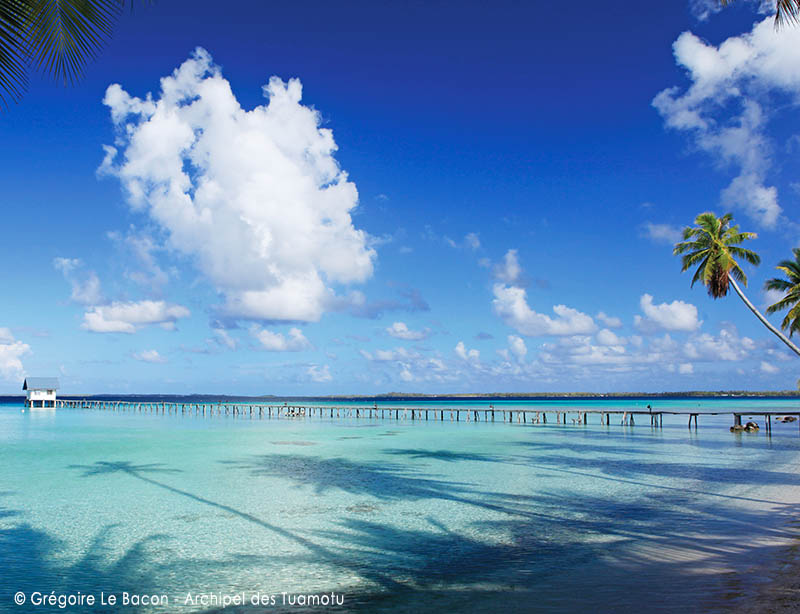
{"x": 40, "y": 383}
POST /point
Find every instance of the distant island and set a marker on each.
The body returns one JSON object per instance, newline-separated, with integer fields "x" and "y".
{"x": 394, "y": 396}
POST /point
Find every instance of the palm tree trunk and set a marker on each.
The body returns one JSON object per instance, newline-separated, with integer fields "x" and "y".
{"x": 764, "y": 321}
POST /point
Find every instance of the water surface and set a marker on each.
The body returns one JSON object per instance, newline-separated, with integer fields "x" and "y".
{"x": 395, "y": 516}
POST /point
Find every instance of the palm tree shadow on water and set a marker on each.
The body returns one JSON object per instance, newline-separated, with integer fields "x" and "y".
{"x": 139, "y": 472}
{"x": 541, "y": 557}
{"x": 625, "y": 555}
{"x": 33, "y": 560}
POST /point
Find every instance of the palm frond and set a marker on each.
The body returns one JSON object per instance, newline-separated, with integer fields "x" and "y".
{"x": 686, "y": 246}
{"x": 14, "y": 15}
{"x": 778, "y": 284}
{"x": 707, "y": 222}
{"x": 791, "y": 287}
{"x": 792, "y": 320}
{"x": 745, "y": 254}
{"x": 786, "y": 302}
{"x": 57, "y": 37}
{"x": 65, "y": 34}
{"x": 786, "y": 11}
{"x": 738, "y": 273}
{"x": 734, "y": 237}
{"x": 699, "y": 273}
{"x": 791, "y": 269}
{"x": 690, "y": 260}
{"x": 688, "y": 233}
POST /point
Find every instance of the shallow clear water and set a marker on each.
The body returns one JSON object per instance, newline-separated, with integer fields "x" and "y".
{"x": 394, "y": 516}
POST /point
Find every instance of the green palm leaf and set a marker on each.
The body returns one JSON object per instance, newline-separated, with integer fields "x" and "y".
{"x": 57, "y": 37}
{"x": 65, "y": 34}
{"x": 791, "y": 288}
{"x": 14, "y": 15}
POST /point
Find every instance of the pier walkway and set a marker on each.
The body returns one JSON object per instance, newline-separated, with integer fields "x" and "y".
{"x": 489, "y": 413}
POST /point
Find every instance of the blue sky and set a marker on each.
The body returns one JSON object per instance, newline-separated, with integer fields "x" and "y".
{"x": 431, "y": 198}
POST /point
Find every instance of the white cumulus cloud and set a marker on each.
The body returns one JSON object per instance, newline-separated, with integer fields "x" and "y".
{"x": 11, "y": 353}
{"x": 728, "y": 345}
{"x": 516, "y": 345}
{"x": 676, "y": 315}
{"x": 511, "y": 304}
{"x": 608, "y": 337}
{"x": 150, "y": 356}
{"x": 255, "y": 198}
{"x": 319, "y": 374}
{"x": 295, "y": 341}
{"x": 464, "y": 354}
{"x": 749, "y": 73}
{"x": 411, "y": 365}
{"x": 400, "y": 330}
{"x": 128, "y": 317}
{"x": 609, "y": 321}
{"x": 509, "y": 270}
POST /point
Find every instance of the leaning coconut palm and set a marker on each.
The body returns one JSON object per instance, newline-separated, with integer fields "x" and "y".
{"x": 791, "y": 287}
{"x": 713, "y": 246}
{"x": 55, "y": 36}
{"x": 786, "y": 11}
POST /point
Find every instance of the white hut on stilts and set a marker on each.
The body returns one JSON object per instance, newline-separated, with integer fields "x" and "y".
{"x": 41, "y": 391}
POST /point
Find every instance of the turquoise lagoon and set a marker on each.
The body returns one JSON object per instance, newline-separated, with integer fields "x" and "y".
{"x": 394, "y": 516}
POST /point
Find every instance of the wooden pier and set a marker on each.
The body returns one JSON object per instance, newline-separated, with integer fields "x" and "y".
{"x": 520, "y": 415}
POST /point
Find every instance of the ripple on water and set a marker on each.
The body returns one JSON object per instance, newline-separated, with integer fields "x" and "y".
{"x": 293, "y": 443}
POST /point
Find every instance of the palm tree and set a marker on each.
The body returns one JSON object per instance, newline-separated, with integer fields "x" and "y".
{"x": 786, "y": 11}
{"x": 713, "y": 245}
{"x": 55, "y": 36}
{"x": 791, "y": 286}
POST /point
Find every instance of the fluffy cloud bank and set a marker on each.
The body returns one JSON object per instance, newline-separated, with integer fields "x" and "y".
{"x": 753, "y": 73}
{"x": 511, "y": 304}
{"x": 412, "y": 366}
{"x": 255, "y": 198}
{"x": 128, "y": 317}
{"x": 464, "y": 354}
{"x": 11, "y": 353}
{"x": 295, "y": 341}
{"x": 727, "y": 346}
{"x": 676, "y": 315}
{"x": 400, "y": 330}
